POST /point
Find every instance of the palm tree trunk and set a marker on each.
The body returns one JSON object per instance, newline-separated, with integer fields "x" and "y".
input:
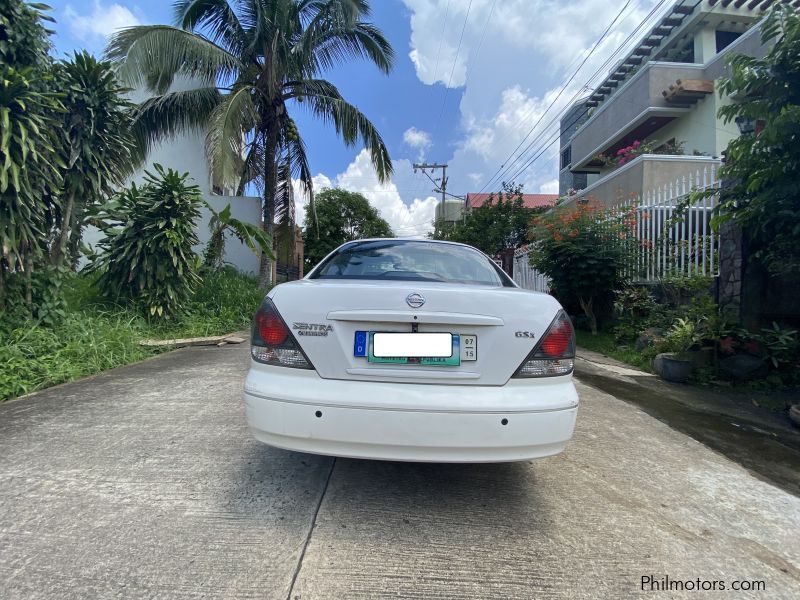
{"x": 270, "y": 189}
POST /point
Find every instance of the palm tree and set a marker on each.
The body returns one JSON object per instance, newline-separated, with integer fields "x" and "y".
{"x": 246, "y": 62}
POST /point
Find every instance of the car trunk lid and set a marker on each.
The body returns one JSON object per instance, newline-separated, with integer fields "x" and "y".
{"x": 325, "y": 316}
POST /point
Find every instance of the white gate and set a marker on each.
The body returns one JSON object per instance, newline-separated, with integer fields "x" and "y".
{"x": 669, "y": 242}
{"x": 525, "y": 275}
{"x": 675, "y": 238}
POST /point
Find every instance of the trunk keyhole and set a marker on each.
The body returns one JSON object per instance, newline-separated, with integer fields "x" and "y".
{"x": 504, "y": 421}
{"x": 318, "y": 414}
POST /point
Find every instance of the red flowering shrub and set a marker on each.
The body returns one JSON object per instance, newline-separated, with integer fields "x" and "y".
{"x": 586, "y": 251}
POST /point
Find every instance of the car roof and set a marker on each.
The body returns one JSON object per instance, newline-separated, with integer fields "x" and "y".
{"x": 407, "y": 239}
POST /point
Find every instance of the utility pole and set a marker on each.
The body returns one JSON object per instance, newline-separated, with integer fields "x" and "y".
{"x": 440, "y": 187}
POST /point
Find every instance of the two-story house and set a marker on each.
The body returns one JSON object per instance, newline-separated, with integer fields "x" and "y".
{"x": 661, "y": 102}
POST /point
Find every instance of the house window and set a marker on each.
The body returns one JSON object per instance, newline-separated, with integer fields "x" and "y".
{"x": 725, "y": 39}
{"x": 566, "y": 157}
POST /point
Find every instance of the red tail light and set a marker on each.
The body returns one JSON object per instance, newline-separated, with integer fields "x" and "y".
{"x": 554, "y": 354}
{"x": 557, "y": 340}
{"x": 273, "y": 343}
{"x": 271, "y": 328}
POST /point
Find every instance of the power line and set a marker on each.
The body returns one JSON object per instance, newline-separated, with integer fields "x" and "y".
{"x": 541, "y": 150}
{"x": 441, "y": 39}
{"x": 560, "y": 92}
{"x": 455, "y": 59}
{"x": 453, "y": 68}
{"x": 569, "y": 104}
{"x": 485, "y": 27}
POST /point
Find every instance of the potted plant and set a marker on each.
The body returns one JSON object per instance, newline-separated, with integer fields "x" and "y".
{"x": 675, "y": 363}
{"x": 702, "y": 351}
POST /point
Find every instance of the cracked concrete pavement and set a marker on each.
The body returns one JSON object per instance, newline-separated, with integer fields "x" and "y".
{"x": 143, "y": 482}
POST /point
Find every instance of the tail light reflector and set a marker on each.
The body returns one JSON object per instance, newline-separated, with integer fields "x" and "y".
{"x": 554, "y": 355}
{"x": 273, "y": 343}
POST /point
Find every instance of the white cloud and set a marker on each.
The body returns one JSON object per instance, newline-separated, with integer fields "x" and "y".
{"x": 406, "y": 219}
{"x": 512, "y": 66}
{"x": 435, "y": 33}
{"x": 320, "y": 182}
{"x": 419, "y": 139}
{"x": 549, "y": 187}
{"x": 100, "y": 21}
{"x": 490, "y": 140}
{"x": 558, "y": 31}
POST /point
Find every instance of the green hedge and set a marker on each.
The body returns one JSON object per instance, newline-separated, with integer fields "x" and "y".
{"x": 95, "y": 336}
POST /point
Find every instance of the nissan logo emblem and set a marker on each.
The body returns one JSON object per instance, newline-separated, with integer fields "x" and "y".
{"x": 415, "y": 300}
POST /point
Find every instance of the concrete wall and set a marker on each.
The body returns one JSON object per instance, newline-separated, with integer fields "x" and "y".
{"x": 618, "y": 113}
{"x": 629, "y": 179}
{"x": 643, "y": 174}
{"x": 749, "y": 43}
{"x": 641, "y": 93}
{"x": 450, "y": 211}
{"x": 186, "y": 153}
{"x": 700, "y": 129}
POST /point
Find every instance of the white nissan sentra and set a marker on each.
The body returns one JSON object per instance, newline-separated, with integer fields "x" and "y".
{"x": 411, "y": 350}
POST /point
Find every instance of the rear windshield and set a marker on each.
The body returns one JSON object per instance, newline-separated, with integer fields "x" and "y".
{"x": 403, "y": 260}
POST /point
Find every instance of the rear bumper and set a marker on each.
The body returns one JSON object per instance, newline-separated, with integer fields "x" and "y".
{"x": 300, "y": 411}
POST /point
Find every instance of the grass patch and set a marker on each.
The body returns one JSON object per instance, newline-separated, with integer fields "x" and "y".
{"x": 96, "y": 336}
{"x": 605, "y": 343}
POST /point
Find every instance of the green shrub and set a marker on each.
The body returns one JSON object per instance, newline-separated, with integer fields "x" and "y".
{"x": 225, "y": 301}
{"x": 84, "y": 343}
{"x": 96, "y": 335}
{"x": 637, "y": 308}
{"x": 633, "y": 309}
{"x": 149, "y": 260}
{"x": 684, "y": 335}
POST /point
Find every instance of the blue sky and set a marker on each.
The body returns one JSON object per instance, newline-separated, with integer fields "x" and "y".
{"x": 468, "y": 105}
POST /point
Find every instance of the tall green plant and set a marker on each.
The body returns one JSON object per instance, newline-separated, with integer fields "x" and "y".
{"x": 149, "y": 260}
{"x": 251, "y": 63}
{"x": 24, "y": 39}
{"x": 223, "y": 223}
{"x": 97, "y": 145}
{"x": 28, "y": 163}
{"x": 28, "y": 170}
{"x": 763, "y": 196}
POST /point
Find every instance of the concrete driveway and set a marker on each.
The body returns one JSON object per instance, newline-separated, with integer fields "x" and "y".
{"x": 143, "y": 482}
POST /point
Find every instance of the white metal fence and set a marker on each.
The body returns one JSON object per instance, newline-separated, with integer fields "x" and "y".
{"x": 668, "y": 241}
{"x": 526, "y": 276}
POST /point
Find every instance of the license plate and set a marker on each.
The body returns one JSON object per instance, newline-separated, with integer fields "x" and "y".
{"x": 404, "y": 348}
{"x": 412, "y": 345}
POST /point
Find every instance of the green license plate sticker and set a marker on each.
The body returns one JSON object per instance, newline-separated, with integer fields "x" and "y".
{"x": 453, "y": 360}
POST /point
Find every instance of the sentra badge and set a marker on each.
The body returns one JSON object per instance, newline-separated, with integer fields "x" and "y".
{"x": 315, "y": 329}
